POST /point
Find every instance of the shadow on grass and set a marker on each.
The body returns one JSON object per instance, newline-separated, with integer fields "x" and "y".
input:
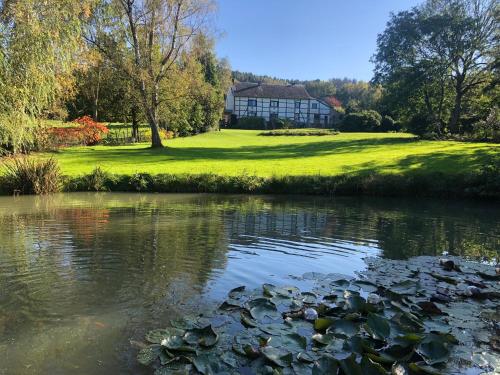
{"x": 254, "y": 152}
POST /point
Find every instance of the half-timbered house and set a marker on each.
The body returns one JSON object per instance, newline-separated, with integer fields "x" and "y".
{"x": 291, "y": 102}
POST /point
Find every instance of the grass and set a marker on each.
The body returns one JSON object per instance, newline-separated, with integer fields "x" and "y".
{"x": 237, "y": 152}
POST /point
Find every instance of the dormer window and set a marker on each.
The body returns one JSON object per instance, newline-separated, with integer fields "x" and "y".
{"x": 314, "y": 105}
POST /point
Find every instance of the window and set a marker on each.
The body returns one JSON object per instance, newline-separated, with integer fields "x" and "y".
{"x": 297, "y": 104}
{"x": 273, "y": 117}
{"x": 316, "y": 118}
{"x": 275, "y": 103}
{"x": 314, "y": 105}
{"x": 297, "y": 117}
{"x": 252, "y": 102}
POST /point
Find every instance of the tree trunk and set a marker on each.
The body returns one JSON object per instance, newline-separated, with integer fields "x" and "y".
{"x": 96, "y": 97}
{"x": 155, "y": 131}
{"x": 453, "y": 125}
{"x": 135, "y": 125}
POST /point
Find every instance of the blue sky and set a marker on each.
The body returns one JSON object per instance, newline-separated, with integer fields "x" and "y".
{"x": 303, "y": 39}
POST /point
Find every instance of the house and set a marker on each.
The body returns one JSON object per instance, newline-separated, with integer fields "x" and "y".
{"x": 292, "y": 102}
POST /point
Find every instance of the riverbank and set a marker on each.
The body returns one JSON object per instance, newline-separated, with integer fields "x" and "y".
{"x": 235, "y": 161}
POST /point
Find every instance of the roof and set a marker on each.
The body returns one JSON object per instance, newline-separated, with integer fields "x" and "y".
{"x": 265, "y": 90}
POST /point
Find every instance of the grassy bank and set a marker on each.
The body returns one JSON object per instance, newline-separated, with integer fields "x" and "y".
{"x": 236, "y": 152}
{"x": 234, "y": 161}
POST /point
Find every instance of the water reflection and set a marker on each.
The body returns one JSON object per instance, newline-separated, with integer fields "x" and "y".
{"x": 81, "y": 274}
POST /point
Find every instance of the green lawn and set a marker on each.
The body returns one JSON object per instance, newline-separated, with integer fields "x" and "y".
{"x": 233, "y": 152}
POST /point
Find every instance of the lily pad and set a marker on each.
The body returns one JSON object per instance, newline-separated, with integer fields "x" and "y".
{"x": 326, "y": 365}
{"x": 206, "y": 336}
{"x": 260, "y": 308}
{"x": 321, "y": 324}
{"x": 156, "y": 336}
{"x": 433, "y": 351}
{"x": 378, "y": 327}
{"x": 276, "y": 356}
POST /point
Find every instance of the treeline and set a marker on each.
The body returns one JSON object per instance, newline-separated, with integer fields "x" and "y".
{"x": 138, "y": 62}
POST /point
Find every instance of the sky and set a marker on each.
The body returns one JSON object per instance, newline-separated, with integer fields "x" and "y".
{"x": 303, "y": 39}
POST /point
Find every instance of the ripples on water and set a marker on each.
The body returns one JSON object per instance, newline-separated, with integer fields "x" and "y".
{"x": 82, "y": 274}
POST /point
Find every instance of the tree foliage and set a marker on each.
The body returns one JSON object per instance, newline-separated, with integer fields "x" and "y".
{"x": 38, "y": 40}
{"x": 435, "y": 63}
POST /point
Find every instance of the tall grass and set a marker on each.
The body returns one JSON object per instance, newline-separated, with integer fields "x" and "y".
{"x": 24, "y": 175}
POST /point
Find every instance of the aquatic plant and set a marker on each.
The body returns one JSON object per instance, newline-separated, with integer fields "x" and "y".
{"x": 401, "y": 317}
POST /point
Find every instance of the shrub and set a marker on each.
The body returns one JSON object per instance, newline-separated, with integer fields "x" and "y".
{"x": 419, "y": 124}
{"x": 250, "y": 123}
{"x": 387, "y": 124}
{"x": 140, "y": 182}
{"x": 25, "y": 175}
{"x": 364, "y": 121}
{"x": 299, "y": 132}
{"x": 489, "y": 128}
{"x": 87, "y": 132}
{"x": 97, "y": 180}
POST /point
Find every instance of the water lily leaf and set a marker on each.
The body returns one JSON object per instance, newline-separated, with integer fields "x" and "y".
{"x": 247, "y": 320}
{"x": 206, "y": 336}
{"x": 305, "y": 357}
{"x": 344, "y": 328}
{"x": 368, "y": 367}
{"x": 418, "y": 368}
{"x": 406, "y": 287}
{"x": 381, "y": 358}
{"x": 350, "y": 367}
{"x": 291, "y": 341}
{"x": 326, "y": 365}
{"x": 276, "y": 356}
{"x": 230, "y": 359}
{"x": 236, "y": 292}
{"x": 321, "y": 324}
{"x": 148, "y": 355}
{"x": 250, "y": 351}
{"x": 156, "y": 336}
{"x": 355, "y": 303}
{"x": 366, "y": 285}
{"x": 323, "y": 339}
{"x": 261, "y": 308}
{"x": 446, "y": 279}
{"x": 208, "y": 364}
{"x": 430, "y": 308}
{"x": 378, "y": 326}
{"x": 433, "y": 351}
{"x": 309, "y": 298}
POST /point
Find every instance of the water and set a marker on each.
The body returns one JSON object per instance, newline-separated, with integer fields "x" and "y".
{"x": 83, "y": 276}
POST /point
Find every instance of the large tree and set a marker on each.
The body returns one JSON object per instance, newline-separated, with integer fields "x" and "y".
{"x": 38, "y": 41}
{"x": 145, "y": 39}
{"x": 437, "y": 55}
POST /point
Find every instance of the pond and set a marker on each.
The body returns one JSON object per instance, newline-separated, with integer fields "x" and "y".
{"x": 84, "y": 276}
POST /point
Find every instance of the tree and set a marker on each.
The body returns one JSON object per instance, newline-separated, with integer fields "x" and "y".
{"x": 432, "y": 58}
{"x": 36, "y": 54}
{"x": 145, "y": 40}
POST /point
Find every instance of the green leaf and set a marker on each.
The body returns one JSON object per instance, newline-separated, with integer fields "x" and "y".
{"x": 156, "y": 336}
{"x": 278, "y": 357}
{"x": 321, "y": 324}
{"x": 261, "y": 308}
{"x": 343, "y": 328}
{"x": 148, "y": 355}
{"x": 433, "y": 351}
{"x": 326, "y": 365}
{"x": 206, "y": 336}
{"x": 378, "y": 326}
{"x": 323, "y": 339}
{"x": 247, "y": 320}
{"x": 350, "y": 367}
{"x": 368, "y": 367}
{"x": 208, "y": 364}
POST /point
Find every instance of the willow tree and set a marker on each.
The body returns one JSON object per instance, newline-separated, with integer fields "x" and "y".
{"x": 38, "y": 40}
{"x": 145, "y": 39}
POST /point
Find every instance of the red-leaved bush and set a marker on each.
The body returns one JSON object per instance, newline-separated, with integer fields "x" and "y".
{"x": 88, "y": 132}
